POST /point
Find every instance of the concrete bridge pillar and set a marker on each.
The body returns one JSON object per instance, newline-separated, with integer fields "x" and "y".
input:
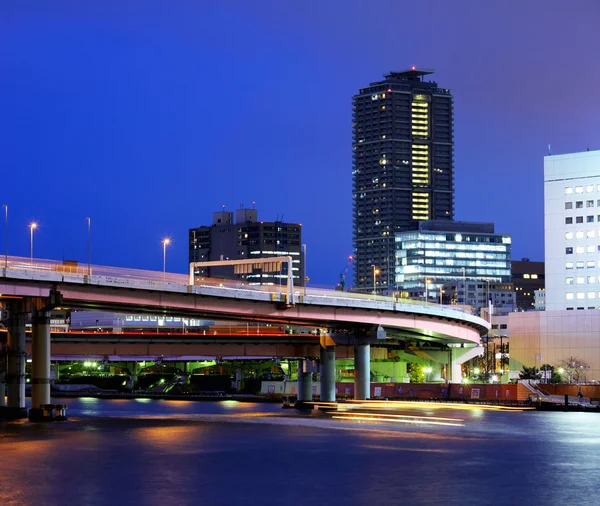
{"x": 328, "y": 373}
{"x": 16, "y": 357}
{"x": 2, "y": 376}
{"x": 304, "y": 382}
{"x": 362, "y": 370}
{"x": 134, "y": 375}
{"x": 40, "y": 364}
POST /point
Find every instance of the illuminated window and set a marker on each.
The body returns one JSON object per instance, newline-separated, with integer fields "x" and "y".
{"x": 569, "y": 295}
{"x": 591, "y": 295}
{"x": 569, "y": 265}
{"x": 569, "y": 235}
{"x": 579, "y": 189}
{"x": 579, "y": 265}
{"x": 534, "y": 276}
{"x": 526, "y": 276}
{"x": 579, "y": 235}
{"x": 569, "y": 190}
{"x": 580, "y": 280}
{"x": 590, "y": 234}
{"x": 579, "y": 250}
{"x": 580, "y": 295}
{"x": 591, "y": 280}
{"x": 591, "y": 264}
{"x": 569, "y": 281}
{"x": 589, "y": 188}
{"x": 590, "y": 249}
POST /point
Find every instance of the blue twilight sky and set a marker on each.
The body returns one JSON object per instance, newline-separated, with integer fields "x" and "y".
{"x": 149, "y": 115}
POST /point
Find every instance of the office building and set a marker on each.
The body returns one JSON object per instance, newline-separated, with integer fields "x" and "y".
{"x": 440, "y": 252}
{"x": 403, "y": 166}
{"x": 479, "y": 293}
{"x": 527, "y": 277}
{"x": 247, "y": 238}
{"x": 572, "y": 230}
{"x": 567, "y": 331}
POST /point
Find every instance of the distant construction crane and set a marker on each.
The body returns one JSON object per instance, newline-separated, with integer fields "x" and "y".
{"x": 345, "y": 273}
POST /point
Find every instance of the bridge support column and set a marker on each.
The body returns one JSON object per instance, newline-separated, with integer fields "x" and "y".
{"x": 304, "y": 382}
{"x": 328, "y": 373}
{"x": 40, "y": 363}
{"x": 16, "y": 357}
{"x": 457, "y": 357}
{"x": 362, "y": 370}
{"x": 134, "y": 375}
{"x": 2, "y": 376}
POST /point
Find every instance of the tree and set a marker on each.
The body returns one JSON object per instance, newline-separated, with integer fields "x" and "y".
{"x": 575, "y": 368}
{"x": 416, "y": 373}
{"x": 530, "y": 373}
{"x": 551, "y": 375}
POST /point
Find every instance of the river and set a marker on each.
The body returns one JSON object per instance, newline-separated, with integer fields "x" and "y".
{"x": 157, "y": 452}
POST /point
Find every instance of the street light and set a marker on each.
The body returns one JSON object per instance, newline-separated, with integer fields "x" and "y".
{"x": 165, "y": 242}
{"x": 5, "y": 206}
{"x": 89, "y": 224}
{"x": 441, "y": 293}
{"x": 32, "y": 227}
{"x": 375, "y": 272}
{"x": 427, "y": 281}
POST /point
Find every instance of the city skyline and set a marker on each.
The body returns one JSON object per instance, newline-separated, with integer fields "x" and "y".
{"x": 146, "y": 127}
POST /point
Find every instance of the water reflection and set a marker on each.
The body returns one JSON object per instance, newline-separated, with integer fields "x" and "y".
{"x": 165, "y": 452}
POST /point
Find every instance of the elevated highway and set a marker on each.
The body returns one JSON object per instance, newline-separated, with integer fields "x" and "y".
{"x": 132, "y": 290}
{"x": 38, "y": 286}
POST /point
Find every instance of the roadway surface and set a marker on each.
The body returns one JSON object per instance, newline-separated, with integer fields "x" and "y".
{"x": 132, "y": 290}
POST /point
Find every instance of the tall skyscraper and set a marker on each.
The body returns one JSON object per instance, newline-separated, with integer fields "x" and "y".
{"x": 403, "y": 163}
{"x": 245, "y": 239}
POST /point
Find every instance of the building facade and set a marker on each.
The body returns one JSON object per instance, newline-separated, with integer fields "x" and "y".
{"x": 247, "y": 238}
{"x": 527, "y": 277}
{"x": 479, "y": 293}
{"x": 572, "y": 231}
{"x": 403, "y": 163}
{"x": 441, "y": 252}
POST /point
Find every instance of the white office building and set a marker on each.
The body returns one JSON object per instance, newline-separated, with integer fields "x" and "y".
{"x": 572, "y": 231}
{"x": 569, "y": 328}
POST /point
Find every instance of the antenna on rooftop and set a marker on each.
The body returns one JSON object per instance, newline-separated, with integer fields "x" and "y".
{"x": 549, "y": 153}
{"x": 253, "y": 205}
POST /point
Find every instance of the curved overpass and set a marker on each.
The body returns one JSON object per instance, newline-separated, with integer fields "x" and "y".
{"x": 151, "y": 292}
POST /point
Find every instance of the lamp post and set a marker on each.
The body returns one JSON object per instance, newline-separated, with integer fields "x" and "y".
{"x": 5, "y": 206}
{"x": 441, "y": 293}
{"x": 165, "y": 242}
{"x": 32, "y": 227}
{"x": 375, "y": 272}
{"x": 427, "y": 281}
{"x": 89, "y": 224}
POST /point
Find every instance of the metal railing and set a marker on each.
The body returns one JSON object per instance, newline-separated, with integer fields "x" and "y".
{"x": 87, "y": 272}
